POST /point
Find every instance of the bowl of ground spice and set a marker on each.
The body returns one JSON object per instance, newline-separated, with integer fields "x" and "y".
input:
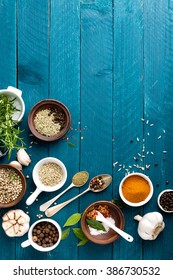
{"x": 136, "y": 189}
{"x": 165, "y": 201}
{"x": 12, "y": 185}
{"x": 49, "y": 120}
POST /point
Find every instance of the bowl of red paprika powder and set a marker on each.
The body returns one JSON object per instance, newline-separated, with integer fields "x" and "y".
{"x": 136, "y": 189}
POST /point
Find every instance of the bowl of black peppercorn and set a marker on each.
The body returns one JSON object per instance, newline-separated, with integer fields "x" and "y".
{"x": 165, "y": 201}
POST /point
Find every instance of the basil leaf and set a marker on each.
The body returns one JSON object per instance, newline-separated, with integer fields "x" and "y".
{"x": 73, "y": 219}
{"x": 79, "y": 233}
{"x": 65, "y": 233}
{"x": 82, "y": 242}
{"x": 95, "y": 224}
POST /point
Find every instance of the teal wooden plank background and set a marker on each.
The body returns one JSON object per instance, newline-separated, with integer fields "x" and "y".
{"x": 110, "y": 62}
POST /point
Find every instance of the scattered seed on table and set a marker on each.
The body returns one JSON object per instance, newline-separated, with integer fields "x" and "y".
{"x": 148, "y": 133}
{"x": 151, "y": 124}
{"x": 147, "y": 122}
{"x": 159, "y": 137}
{"x": 164, "y": 152}
{"x": 137, "y": 139}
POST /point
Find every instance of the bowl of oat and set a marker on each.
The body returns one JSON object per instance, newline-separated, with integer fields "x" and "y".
{"x": 12, "y": 185}
{"x": 49, "y": 120}
{"x": 49, "y": 175}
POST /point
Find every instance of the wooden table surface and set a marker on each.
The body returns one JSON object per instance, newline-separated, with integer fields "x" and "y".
{"x": 111, "y": 63}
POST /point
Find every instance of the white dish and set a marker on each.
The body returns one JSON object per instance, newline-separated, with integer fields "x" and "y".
{"x": 39, "y": 185}
{"x": 16, "y": 94}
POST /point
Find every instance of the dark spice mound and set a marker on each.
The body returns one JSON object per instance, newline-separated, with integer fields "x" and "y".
{"x": 166, "y": 200}
{"x": 45, "y": 234}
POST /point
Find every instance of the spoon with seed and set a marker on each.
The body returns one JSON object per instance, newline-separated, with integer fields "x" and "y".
{"x": 97, "y": 184}
{"x": 78, "y": 180}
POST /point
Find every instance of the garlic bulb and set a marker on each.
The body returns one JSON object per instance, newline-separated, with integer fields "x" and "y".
{"x": 23, "y": 157}
{"x": 16, "y": 164}
{"x": 15, "y": 223}
{"x": 150, "y": 225}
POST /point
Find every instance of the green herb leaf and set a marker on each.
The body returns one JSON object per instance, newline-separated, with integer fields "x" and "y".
{"x": 119, "y": 202}
{"x": 71, "y": 144}
{"x": 65, "y": 233}
{"x": 95, "y": 224}
{"x": 79, "y": 233}
{"x": 73, "y": 219}
{"x": 9, "y": 132}
{"x": 82, "y": 242}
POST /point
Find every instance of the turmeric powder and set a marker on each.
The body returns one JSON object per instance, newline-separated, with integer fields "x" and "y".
{"x": 135, "y": 189}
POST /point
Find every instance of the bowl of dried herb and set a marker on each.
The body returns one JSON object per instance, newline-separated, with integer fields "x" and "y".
{"x": 49, "y": 120}
{"x": 12, "y": 186}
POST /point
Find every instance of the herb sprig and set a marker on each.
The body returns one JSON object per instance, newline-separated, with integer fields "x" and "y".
{"x": 9, "y": 131}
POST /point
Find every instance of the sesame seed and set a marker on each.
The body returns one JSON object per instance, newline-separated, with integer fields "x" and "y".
{"x": 119, "y": 169}
{"x": 164, "y": 152}
{"x": 115, "y": 163}
{"x": 137, "y": 139}
{"x": 151, "y": 124}
{"x": 159, "y": 137}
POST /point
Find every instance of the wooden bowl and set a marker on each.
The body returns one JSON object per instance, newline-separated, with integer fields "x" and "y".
{"x": 53, "y": 105}
{"x": 111, "y": 235}
{"x": 18, "y": 199}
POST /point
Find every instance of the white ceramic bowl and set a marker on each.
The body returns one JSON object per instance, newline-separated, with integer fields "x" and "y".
{"x": 36, "y": 246}
{"x": 158, "y": 201}
{"x": 41, "y": 187}
{"x": 137, "y": 204}
{"x": 16, "y": 94}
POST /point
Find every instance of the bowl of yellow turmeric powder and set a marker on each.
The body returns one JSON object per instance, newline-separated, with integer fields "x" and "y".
{"x": 136, "y": 189}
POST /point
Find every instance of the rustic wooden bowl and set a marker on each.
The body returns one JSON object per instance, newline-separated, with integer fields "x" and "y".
{"x": 111, "y": 235}
{"x": 49, "y": 104}
{"x": 18, "y": 199}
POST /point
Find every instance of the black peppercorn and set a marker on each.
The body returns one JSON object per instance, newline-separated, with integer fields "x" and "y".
{"x": 166, "y": 200}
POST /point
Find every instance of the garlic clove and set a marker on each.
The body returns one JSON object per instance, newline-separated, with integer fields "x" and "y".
{"x": 21, "y": 220}
{"x": 16, "y": 228}
{"x": 5, "y": 218}
{"x": 23, "y": 157}
{"x": 16, "y": 164}
{"x": 10, "y": 215}
{"x": 10, "y": 232}
{"x": 17, "y": 215}
{"x": 6, "y": 225}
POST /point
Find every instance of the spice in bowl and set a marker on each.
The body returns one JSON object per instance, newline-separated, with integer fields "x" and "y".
{"x": 165, "y": 200}
{"x": 10, "y": 185}
{"x": 136, "y": 189}
{"x": 49, "y": 121}
{"x": 95, "y": 226}
{"x": 50, "y": 174}
{"x": 45, "y": 234}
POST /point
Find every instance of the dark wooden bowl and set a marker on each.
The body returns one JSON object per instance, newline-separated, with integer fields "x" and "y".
{"x": 18, "y": 199}
{"x": 111, "y": 235}
{"x": 49, "y": 104}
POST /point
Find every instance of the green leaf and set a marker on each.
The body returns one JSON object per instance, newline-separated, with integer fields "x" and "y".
{"x": 79, "y": 233}
{"x": 95, "y": 224}
{"x": 65, "y": 233}
{"x": 82, "y": 242}
{"x": 119, "y": 202}
{"x": 71, "y": 144}
{"x": 73, "y": 219}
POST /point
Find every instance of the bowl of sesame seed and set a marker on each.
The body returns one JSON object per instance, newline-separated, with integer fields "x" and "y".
{"x": 12, "y": 185}
{"x": 49, "y": 120}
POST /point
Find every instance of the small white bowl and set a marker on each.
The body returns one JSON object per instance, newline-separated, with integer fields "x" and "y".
{"x": 158, "y": 201}
{"x": 16, "y": 94}
{"x": 39, "y": 185}
{"x": 137, "y": 204}
{"x": 29, "y": 241}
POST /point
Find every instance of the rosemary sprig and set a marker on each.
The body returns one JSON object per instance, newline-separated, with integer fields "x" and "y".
{"x": 9, "y": 131}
